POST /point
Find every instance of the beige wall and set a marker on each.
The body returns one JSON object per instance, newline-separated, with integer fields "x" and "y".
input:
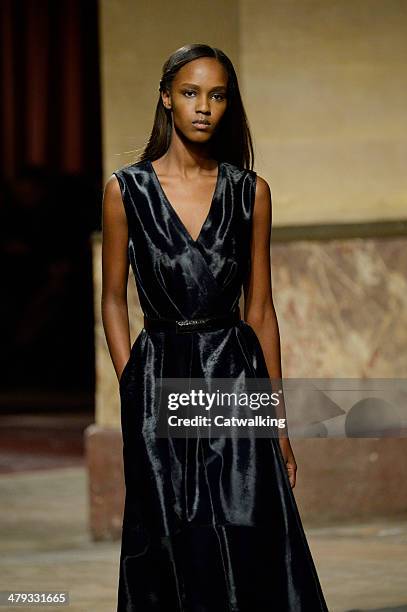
{"x": 326, "y": 93}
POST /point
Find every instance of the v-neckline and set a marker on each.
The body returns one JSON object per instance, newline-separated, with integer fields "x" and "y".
{"x": 174, "y": 213}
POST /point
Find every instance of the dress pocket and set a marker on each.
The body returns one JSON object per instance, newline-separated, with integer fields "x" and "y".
{"x": 124, "y": 371}
{"x": 126, "y": 368}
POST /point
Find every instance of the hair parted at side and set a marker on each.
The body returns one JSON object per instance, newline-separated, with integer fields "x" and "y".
{"x": 232, "y": 142}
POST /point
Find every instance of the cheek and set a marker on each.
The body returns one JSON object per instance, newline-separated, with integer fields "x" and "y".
{"x": 182, "y": 114}
{"x": 182, "y": 107}
{"x": 218, "y": 116}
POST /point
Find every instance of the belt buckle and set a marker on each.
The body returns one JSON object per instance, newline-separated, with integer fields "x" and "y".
{"x": 187, "y": 325}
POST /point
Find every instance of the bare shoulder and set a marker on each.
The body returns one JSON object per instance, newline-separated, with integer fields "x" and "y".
{"x": 113, "y": 204}
{"x": 112, "y": 192}
{"x": 263, "y": 189}
{"x": 112, "y": 187}
{"x": 263, "y": 200}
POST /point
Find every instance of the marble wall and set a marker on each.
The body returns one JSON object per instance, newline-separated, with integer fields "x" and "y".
{"x": 342, "y": 307}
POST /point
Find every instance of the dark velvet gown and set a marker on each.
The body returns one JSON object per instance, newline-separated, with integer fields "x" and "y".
{"x": 210, "y": 524}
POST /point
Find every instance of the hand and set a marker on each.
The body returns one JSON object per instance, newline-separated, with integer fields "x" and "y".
{"x": 290, "y": 463}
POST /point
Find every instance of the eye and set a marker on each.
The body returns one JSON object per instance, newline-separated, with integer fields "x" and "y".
{"x": 187, "y": 93}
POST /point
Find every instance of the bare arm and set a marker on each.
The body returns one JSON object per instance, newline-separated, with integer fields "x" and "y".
{"x": 115, "y": 271}
{"x": 259, "y": 311}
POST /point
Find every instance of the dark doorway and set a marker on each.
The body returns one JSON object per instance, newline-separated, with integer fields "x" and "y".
{"x": 50, "y": 198}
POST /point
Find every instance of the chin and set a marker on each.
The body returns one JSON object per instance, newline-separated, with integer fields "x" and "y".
{"x": 201, "y": 135}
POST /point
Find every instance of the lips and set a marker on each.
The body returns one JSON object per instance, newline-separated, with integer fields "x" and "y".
{"x": 201, "y": 125}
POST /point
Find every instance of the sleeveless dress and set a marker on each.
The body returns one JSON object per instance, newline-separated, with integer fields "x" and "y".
{"x": 210, "y": 524}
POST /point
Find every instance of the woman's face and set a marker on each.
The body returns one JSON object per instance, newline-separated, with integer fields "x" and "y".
{"x": 198, "y": 94}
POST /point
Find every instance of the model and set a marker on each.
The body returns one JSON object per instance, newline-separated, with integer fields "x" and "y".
{"x": 210, "y": 522}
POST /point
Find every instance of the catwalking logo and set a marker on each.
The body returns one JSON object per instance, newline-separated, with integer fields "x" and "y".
{"x": 222, "y": 421}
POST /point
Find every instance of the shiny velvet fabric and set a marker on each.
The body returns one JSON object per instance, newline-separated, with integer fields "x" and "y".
{"x": 210, "y": 524}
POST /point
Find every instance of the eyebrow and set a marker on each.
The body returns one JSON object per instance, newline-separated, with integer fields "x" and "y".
{"x": 197, "y": 86}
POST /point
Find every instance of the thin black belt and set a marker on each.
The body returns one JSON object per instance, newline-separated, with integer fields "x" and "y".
{"x": 181, "y": 326}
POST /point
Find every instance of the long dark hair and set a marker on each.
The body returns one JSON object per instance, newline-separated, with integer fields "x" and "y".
{"x": 232, "y": 141}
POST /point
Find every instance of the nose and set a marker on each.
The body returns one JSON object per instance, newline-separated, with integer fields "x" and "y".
{"x": 202, "y": 105}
